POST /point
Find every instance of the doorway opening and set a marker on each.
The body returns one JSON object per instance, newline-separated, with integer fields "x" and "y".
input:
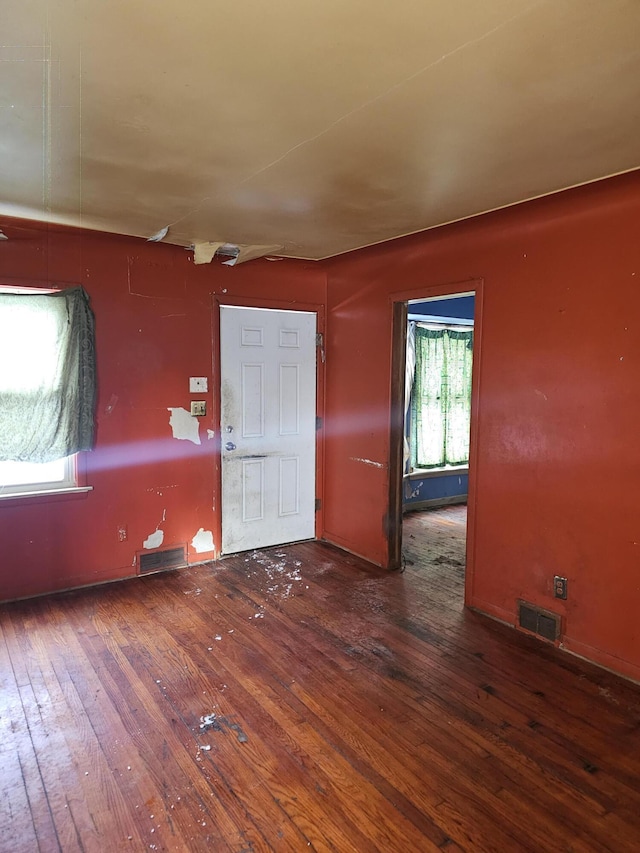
{"x": 434, "y": 344}
{"x": 439, "y": 358}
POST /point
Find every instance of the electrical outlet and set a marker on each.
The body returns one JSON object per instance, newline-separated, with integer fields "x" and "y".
{"x": 560, "y": 587}
{"x": 198, "y": 408}
{"x": 122, "y": 533}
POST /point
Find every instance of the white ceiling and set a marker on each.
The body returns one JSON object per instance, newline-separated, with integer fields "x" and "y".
{"x": 317, "y": 125}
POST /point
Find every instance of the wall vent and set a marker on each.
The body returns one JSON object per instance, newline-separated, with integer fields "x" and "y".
{"x": 541, "y": 622}
{"x": 155, "y": 561}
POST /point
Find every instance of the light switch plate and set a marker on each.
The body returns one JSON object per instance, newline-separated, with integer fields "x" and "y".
{"x": 197, "y": 384}
{"x": 198, "y": 408}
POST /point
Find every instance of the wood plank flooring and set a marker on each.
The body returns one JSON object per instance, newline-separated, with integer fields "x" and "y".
{"x": 298, "y": 699}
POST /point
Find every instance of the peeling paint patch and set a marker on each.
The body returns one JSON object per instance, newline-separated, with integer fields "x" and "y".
{"x": 248, "y": 253}
{"x": 203, "y": 252}
{"x": 413, "y": 493}
{"x": 184, "y": 425}
{"x": 203, "y": 541}
{"x": 367, "y": 462}
{"x": 159, "y": 235}
{"x": 211, "y": 433}
{"x": 154, "y": 540}
{"x": 111, "y": 404}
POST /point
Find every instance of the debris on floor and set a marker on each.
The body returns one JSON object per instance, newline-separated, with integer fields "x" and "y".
{"x": 218, "y": 723}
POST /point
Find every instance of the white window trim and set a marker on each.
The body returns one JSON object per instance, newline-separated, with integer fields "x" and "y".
{"x": 447, "y": 471}
{"x": 6, "y": 496}
{"x": 67, "y": 485}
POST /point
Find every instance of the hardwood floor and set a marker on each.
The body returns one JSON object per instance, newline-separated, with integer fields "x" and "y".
{"x": 298, "y": 699}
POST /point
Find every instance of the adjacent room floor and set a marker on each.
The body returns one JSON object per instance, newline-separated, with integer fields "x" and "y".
{"x": 298, "y": 699}
{"x": 435, "y": 541}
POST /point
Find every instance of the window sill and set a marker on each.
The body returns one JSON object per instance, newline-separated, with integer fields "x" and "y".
{"x": 425, "y": 473}
{"x": 39, "y": 493}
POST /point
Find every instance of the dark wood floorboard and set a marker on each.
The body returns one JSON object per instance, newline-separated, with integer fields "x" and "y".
{"x": 298, "y": 699}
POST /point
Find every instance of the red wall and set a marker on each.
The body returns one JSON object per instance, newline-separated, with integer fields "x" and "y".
{"x": 555, "y": 474}
{"x": 154, "y": 322}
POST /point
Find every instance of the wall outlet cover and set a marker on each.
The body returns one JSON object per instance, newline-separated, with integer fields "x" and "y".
{"x": 560, "y": 587}
{"x": 197, "y": 384}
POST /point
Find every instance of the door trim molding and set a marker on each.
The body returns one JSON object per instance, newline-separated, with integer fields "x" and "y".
{"x": 396, "y": 432}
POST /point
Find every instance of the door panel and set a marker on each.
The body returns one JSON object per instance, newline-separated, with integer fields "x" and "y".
{"x": 268, "y": 409}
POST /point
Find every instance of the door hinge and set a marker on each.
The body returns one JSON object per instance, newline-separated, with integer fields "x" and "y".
{"x": 318, "y": 423}
{"x": 318, "y": 504}
{"x": 320, "y": 344}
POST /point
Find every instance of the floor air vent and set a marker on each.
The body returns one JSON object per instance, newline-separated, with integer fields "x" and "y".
{"x": 541, "y": 622}
{"x": 155, "y": 561}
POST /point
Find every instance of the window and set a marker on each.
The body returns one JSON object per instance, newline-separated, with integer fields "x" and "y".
{"x": 27, "y": 477}
{"x": 47, "y": 388}
{"x": 441, "y": 396}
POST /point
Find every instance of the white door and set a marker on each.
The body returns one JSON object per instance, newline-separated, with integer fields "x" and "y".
{"x": 268, "y": 423}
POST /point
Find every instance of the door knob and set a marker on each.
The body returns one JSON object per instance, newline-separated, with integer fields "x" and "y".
{"x": 229, "y": 446}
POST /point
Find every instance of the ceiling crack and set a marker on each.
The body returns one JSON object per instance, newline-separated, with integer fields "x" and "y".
{"x": 393, "y": 88}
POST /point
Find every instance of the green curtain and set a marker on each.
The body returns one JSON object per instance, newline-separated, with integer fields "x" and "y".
{"x": 441, "y": 397}
{"x": 47, "y": 375}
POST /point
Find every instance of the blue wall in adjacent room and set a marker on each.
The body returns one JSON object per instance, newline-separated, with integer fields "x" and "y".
{"x": 458, "y": 306}
{"x": 419, "y": 488}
